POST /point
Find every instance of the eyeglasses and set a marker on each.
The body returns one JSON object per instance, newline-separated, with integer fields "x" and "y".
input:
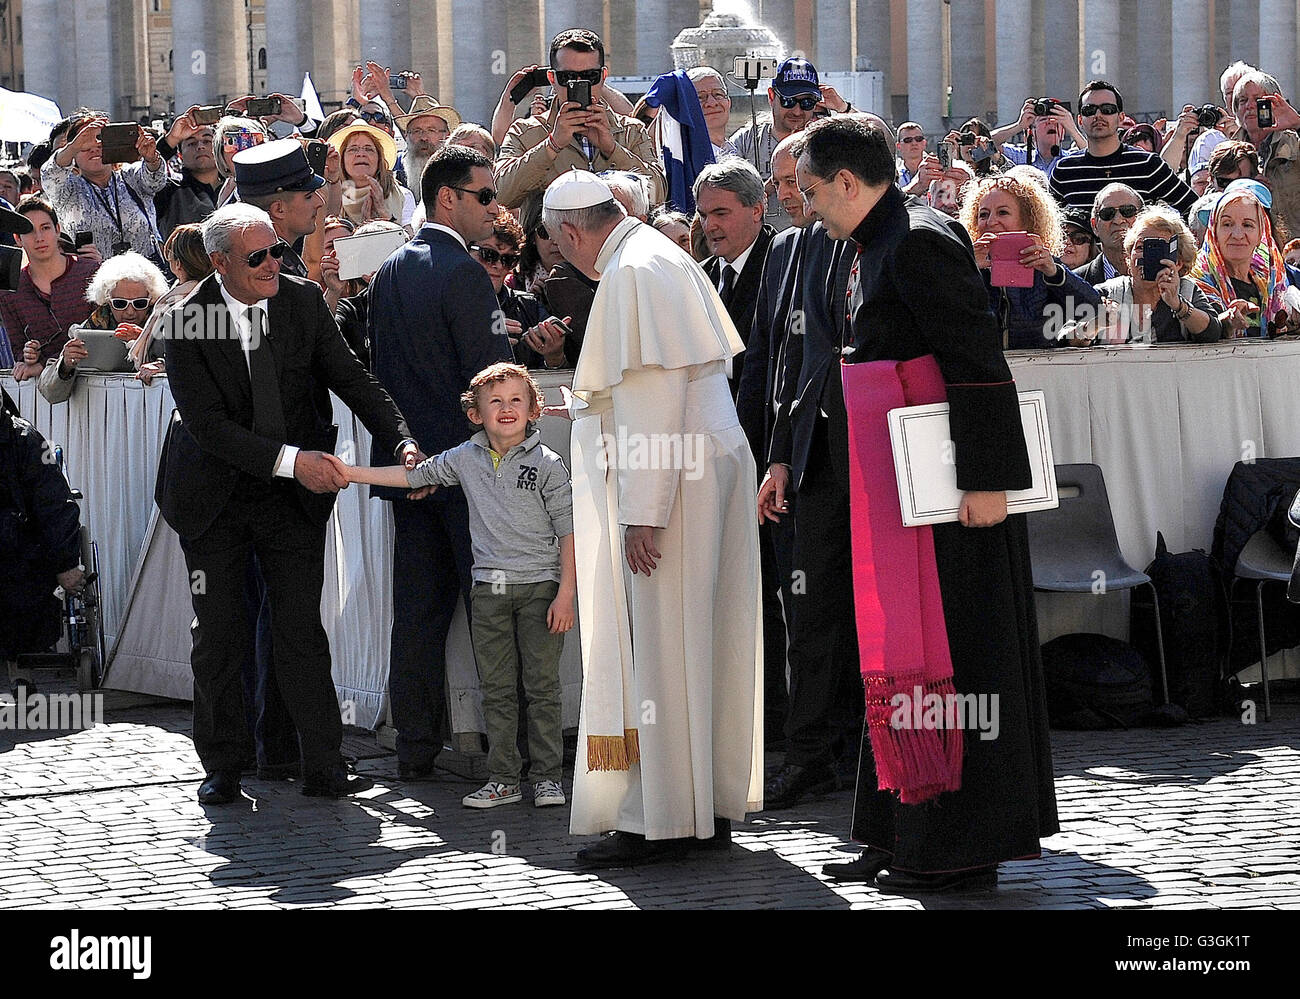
{"x": 1078, "y": 238}
{"x": 276, "y": 251}
{"x": 491, "y": 256}
{"x": 908, "y": 140}
{"x": 806, "y": 103}
{"x": 809, "y": 191}
{"x": 563, "y": 77}
{"x": 242, "y": 139}
{"x": 717, "y": 96}
{"x": 1127, "y": 211}
{"x": 541, "y": 231}
{"x": 357, "y": 147}
{"x": 122, "y": 304}
{"x": 1088, "y": 110}
{"x": 485, "y": 195}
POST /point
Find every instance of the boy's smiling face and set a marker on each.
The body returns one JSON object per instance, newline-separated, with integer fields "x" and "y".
{"x": 503, "y": 410}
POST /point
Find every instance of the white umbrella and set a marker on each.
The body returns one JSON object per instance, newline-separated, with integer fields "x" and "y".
{"x": 26, "y": 117}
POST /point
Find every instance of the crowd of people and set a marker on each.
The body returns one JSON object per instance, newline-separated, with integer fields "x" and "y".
{"x": 668, "y": 271}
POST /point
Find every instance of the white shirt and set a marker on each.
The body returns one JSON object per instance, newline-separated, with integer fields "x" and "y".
{"x": 738, "y": 264}
{"x": 239, "y": 313}
{"x": 449, "y": 231}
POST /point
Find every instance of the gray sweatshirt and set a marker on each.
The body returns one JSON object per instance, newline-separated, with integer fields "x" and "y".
{"x": 517, "y": 511}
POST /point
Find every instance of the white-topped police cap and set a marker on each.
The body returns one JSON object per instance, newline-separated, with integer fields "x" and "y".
{"x": 576, "y": 189}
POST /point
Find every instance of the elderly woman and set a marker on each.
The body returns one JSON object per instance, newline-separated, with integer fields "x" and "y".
{"x": 1171, "y": 308}
{"x": 124, "y": 289}
{"x": 474, "y": 136}
{"x": 1240, "y": 265}
{"x": 715, "y": 102}
{"x": 370, "y": 191}
{"x": 630, "y": 190}
{"x": 233, "y": 135}
{"x": 538, "y": 341}
{"x": 1080, "y": 241}
{"x": 1030, "y": 317}
{"x": 674, "y": 225}
{"x": 189, "y": 263}
{"x": 1278, "y": 145}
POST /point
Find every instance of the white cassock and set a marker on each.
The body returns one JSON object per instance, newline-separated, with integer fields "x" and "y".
{"x": 672, "y": 663}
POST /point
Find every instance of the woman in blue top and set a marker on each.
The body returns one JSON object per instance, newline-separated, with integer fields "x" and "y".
{"x": 1028, "y": 317}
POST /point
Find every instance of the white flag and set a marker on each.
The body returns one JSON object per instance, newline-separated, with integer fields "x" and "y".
{"x": 311, "y": 102}
{"x": 26, "y": 117}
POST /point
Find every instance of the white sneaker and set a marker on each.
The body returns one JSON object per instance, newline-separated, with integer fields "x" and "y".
{"x": 548, "y": 792}
{"x": 492, "y": 794}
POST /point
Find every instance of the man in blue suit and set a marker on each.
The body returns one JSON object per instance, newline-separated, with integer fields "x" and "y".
{"x": 434, "y": 323}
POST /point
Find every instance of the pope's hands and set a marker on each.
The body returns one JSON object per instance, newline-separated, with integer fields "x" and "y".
{"x": 639, "y": 545}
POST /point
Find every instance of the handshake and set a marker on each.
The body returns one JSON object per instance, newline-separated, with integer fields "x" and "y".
{"x": 322, "y": 472}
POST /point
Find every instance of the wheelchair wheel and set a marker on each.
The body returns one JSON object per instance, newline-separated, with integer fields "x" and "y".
{"x": 87, "y": 671}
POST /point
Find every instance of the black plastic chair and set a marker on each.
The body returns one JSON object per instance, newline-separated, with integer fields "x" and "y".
{"x": 1071, "y": 545}
{"x": 1262, "y": 561}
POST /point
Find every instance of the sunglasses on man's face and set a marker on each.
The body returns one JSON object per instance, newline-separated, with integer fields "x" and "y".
{"x": 376, "y": 118}
{"x": 242, "y": 139}
{"x": 257, "y": 257}
{"x": 806, "y": 102}
{"x": 122, "y": 304}
{"x": 909, "y": 139}
{"x": 484, "y": 195}
{"x": 541, "y": 232}
{"x": 1127, "y": 211}
{"x": 563, "y": 77}
{"x": 491, "y": 256}
{"x": 1088, "y": 110}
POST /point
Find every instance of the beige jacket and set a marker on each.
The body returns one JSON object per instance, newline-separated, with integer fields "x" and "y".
{"x": 525, "y": 166}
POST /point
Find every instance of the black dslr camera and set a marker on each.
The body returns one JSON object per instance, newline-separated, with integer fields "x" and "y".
{"x": 1045, "y": 105}
{"x": 1207, "y": 116}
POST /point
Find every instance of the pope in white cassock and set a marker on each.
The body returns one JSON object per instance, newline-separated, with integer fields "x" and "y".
{"x": 670, "y": 737}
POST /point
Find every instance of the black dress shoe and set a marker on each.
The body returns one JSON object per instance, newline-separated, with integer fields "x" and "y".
{"x": 338, "y": 784}
{"x": 411, "y": 772}
{"x": 720, "y": 840}
{"x": 794, "y": 783}
{"x": 624, "y": 849}
{"x": 219, "y": 788}
{"x": 947, "y": 882}
{"x": 864, "y": 867}
{"x": 279, "y": 771}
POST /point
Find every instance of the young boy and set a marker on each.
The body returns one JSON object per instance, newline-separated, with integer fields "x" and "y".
{"x": 525, "y": 583}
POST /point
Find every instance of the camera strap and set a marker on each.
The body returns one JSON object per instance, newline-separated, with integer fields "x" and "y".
{"x": 115, "y": 208}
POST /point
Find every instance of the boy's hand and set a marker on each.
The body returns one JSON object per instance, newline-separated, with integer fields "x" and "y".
{"x": 343, "y": 468}
{"x": 423, "y": 491}
{"x": 559, "y": 616}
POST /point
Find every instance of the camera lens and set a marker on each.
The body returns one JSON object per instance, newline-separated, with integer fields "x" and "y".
{"x": 967, "y": 138}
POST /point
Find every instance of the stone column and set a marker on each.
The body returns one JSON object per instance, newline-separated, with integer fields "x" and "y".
{"x": 1244, "y": 31}
{"x": 1189, "y": 62}
{"x": 779, "y": 15}
{"x": 424, "y": 42}
{"x": 658, "y": 23}
{"x": 1061, "y": 50}
{"x": 194, "y": 55}
{"x": 925, "y": 86}
{"x": 834, "y": 34}
{"x": 1154, "y": 64}
{"x": 621, "y": 48}
{"x": 1277, "y": 42}
{"x": 589, "y": 14}
{"x": 875, "y": 39}
{"x": 1101, "y": 40}
{"x": 967, "y": 47}
{"x": 476, "y": 42}
{"x": 288, "y": 47}
{"x": 377, "y": 31}
{"x": 523, "y": 35}
{"x": 43, "y": 52}
{"x": 1014, "y": 47}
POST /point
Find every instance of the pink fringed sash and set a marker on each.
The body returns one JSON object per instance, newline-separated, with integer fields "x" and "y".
{"x": 902, "y": 638}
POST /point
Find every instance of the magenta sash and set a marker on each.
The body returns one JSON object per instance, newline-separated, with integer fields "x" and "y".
{"x": 902, "y": 638}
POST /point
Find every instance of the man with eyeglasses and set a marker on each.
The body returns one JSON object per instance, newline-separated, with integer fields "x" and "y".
{"x": 426, "y": 126}
{"x": 1113, "y": 212}
{"x": 243, "y": 473}
{"x": 793, "y": 98}
{"x": 1080, "y": 175}
{"x": 537, "y": 150}
{"x": 434, "y": 323}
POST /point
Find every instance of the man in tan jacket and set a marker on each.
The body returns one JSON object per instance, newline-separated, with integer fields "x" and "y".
{"x": 537, "y": 150}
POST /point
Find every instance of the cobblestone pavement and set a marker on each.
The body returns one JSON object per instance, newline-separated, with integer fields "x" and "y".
{"x": 1194, "y": 817}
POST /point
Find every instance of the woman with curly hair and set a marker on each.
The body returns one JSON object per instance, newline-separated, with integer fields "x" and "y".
{"x": 1030, "y": 317}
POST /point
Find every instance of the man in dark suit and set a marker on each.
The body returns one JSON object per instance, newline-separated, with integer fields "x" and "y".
{"x": 434, "y": 324}
{"x": 242, "y": 471}
{"x": 729, "y": 200}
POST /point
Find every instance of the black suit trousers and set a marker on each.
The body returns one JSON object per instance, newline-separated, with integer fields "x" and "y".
{"x": 432, "y": 559}
{"x": 264, "y": 519}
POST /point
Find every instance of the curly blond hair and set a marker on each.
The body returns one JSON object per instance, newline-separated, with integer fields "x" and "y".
{"x": 1038, "y": 212}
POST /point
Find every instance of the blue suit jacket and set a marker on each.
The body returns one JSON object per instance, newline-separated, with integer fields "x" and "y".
{"x": 434, "y": 324}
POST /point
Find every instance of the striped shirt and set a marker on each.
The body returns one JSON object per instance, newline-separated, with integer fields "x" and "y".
{"x": 1079, "y": 176}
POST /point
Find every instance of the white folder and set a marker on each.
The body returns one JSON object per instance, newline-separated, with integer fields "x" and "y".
{"x": 924, "y": 462}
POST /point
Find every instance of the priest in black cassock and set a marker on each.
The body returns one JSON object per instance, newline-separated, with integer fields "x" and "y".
{"x": 915, "y": 290}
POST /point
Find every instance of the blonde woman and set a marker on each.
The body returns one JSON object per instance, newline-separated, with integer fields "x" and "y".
{"x": 370, "y": 192}
{"x": 1033, "y": 316}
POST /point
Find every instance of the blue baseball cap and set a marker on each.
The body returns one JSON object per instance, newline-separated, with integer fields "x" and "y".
{"x": 1254, "y": 188}
{"x": 795, "y": 77}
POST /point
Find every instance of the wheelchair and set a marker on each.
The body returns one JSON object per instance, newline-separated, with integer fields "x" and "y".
{"x": 81, "y": 648}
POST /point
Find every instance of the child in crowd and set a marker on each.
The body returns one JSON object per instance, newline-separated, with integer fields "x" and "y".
{"x": 525, "y": 582}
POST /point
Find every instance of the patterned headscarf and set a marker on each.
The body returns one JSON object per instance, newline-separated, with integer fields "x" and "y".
{"x": 1267, "y": 265}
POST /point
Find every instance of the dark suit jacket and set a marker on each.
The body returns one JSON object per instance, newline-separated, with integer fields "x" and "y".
{"x": 1093, "y": 271}
{"x": 211, "y": 441}
{"x": 744, "y": 293}
{"x": 434, "y": 324}
{"x": 809, "y": 360}
{"x": 768, "y": 337}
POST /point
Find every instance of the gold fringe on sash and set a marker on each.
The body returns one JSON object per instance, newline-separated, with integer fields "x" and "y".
{"x": 613, "y": 752}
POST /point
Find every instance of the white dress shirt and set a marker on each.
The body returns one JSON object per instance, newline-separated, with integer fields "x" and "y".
{"x": 449, "y": 231}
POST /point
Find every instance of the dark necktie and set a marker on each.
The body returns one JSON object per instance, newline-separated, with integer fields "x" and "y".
{"x": 268, "y": 411}
{"x": 728, "y": 281}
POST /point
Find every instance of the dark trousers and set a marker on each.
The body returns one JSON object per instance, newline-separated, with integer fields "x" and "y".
{"x": 431, "y": 571}
{"x": 776, "y": 550}
{"x": 826, "y": 701}
{"x": 275, "y": 740}
{"x": 266, "y": 520}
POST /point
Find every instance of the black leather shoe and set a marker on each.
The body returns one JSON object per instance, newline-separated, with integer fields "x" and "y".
{"x": 279, "y": 771}
{"x": 864, "y": 867}
{"x": 219, "y": 788}
{"x": 794, "y": 783}
{"x": 624, "y": 849}
{"x": 338, "y": 784}
{"x": 948, "y": 882}
{"x": 410, "y": 772}
{"x": 720, "y": 840}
